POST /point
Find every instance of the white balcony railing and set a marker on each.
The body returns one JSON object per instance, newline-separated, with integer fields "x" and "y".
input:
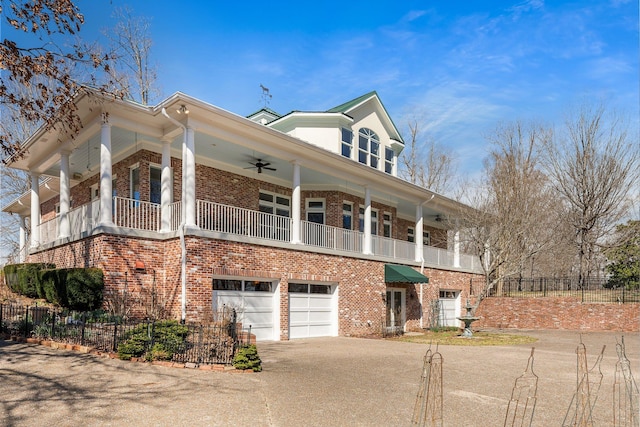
{"x": 132, "y": 213}
{"x": 393, "y": 248}
{"x": 328, "y": 237}
{"x": 212, "y": 216}
{"x": 215, "y": 217}
{"x": 81, "y": 220}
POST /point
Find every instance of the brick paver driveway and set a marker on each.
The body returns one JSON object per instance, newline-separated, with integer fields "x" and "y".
{"x": 315, "y": 382}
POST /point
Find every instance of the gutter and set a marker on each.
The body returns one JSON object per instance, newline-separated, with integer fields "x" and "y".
{"x": 421, "y": 272}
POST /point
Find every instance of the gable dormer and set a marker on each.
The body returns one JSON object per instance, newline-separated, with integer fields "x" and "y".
{"x": 360, "y": 129}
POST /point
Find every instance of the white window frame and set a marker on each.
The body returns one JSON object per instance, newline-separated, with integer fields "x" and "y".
{"x": 159, "y": 168}
{"x": 367, "y": 155}
{"x": 389, "y": 163}
{"x": 94, "y": 190}
{"x": 387, "y": 220}
{"x": 374, "y": 220}
{"x": 132, "y": 195}
{"x": 426, "y": 238}
{"x": 411, "y": 236}
{"x": 273, "y": 205}
{"x": 344, "y": 144}
{"x": 315, "y": 209}
{"x": 347, "y": 213}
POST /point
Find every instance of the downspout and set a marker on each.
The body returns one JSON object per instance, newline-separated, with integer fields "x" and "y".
{"x": 183, "y": 246}
{"x": 422, "y": 272}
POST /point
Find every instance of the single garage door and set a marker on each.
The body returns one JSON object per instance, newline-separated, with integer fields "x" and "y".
{"x": 312, "y": 310}
{"x": 254, "y": 302}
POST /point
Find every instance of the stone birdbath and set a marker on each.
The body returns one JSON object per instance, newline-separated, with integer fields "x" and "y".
{"x": 468, "y": 319}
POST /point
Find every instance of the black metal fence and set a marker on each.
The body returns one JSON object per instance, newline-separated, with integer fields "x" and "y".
{"x": 592, "y": 290}
{"x": 214, "y": 343}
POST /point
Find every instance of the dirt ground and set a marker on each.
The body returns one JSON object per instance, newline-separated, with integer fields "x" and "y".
{"x": 313, "y": 382}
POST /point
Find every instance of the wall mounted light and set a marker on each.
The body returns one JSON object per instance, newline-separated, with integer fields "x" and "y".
{"x": 182, "y": 110}
{"x": 140, "y": 266}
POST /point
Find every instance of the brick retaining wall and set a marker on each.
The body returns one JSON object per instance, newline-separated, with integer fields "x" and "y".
{"x": 557, "y": 313}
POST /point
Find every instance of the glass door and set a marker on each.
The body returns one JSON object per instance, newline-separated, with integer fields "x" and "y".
{"x": 395, "y": 316}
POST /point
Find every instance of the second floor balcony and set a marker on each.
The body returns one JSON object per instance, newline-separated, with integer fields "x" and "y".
{"x": 226, "y": 222}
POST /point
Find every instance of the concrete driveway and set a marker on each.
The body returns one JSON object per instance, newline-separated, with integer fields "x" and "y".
{"x": 315, "y": 382}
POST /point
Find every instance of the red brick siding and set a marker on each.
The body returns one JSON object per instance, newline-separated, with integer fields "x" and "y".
{"x": 361, "y": 285}
{"x": 557, "y": 313}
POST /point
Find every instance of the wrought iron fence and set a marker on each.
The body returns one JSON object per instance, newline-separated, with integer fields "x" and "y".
{"x": 592, "y": 290}
{"x": 214, "y": 343}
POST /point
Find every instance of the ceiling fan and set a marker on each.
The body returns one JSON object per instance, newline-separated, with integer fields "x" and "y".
{"x": 259, "y": 165}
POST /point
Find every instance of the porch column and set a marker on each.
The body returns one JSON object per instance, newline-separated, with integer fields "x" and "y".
{"x": 366, "y": 247}
{"x": 166, "y": 187}
{"x": 106, "y": 192}
{"x": 64, "y": 229}
{"x": 35, "y": 210}
{"x": 419, "y": 243}
{"x": 295, "y": 209}
{"x": 189, "y": 166}
{"x": 456, "y": 247}
{"x": 22, "y": 252}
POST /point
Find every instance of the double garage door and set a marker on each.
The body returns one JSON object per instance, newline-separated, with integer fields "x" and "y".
{"x": 312, "y": 310}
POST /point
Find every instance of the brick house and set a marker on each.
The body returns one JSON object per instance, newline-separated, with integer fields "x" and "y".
{"x": 299, "y": 221}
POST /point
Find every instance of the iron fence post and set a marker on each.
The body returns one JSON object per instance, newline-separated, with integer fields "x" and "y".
{"x": 115, "y": 334}
{"x": 53, "y": 324}
{"x": 26, "y": 320}
{"x": 1, "y": 318}
{"x": 84, "y": 321}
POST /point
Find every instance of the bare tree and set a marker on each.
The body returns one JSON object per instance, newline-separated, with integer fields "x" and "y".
{"x": 49, "y": 24}
{"x": 131, "y": 68}
{"x": 509, "y": 226}
{"x": 426, "y": 163}
{"x": 13, "y": 183}
{"x": 592, "y": 165}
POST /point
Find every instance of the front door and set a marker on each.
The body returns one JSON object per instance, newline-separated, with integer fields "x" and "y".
{"x": 395, "y": 317}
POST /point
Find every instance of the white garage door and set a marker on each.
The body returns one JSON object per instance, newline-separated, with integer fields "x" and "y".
{"x": 449, "y": 309}
{"x": 312, "y": 311}
{"x": 254, "y": 305}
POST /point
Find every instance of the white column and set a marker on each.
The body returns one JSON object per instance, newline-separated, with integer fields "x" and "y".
{"x": 456, "y": 247}
{"x": 419, "y": 243}
{"x": 366, "y": 247}
{"x": 22, "y": 253}
{"x": 166, "y": 187}
{"x": 64, "y": 230}
{"x": 295, "y": 201}
{"x": 189, "y": 165}
{"x": 106, "y": 192}
{"x": 35, "y": 210}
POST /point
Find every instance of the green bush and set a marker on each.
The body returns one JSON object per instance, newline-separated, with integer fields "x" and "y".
{"x": 247, "y": 358}
{"x": 23, "y": 278}
{"x": 84, "y": 288}
{"x": 168, "y": 337}
{"x": 52, "y": 283}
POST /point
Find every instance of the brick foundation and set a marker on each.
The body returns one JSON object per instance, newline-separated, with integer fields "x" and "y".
{"x": 360, "y": 282}
{"x": 557, "y": 313}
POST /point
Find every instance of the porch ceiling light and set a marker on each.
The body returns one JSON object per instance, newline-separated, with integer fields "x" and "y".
{"x": 182, "y": 110}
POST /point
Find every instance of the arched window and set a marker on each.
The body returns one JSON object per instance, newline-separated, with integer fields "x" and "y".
{"x": 368, "y": 148}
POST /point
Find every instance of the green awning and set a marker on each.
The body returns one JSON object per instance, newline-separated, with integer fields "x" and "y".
{"x": 402, "y": 273}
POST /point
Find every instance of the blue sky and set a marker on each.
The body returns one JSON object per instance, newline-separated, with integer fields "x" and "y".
{"x": 463, "y": 66}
